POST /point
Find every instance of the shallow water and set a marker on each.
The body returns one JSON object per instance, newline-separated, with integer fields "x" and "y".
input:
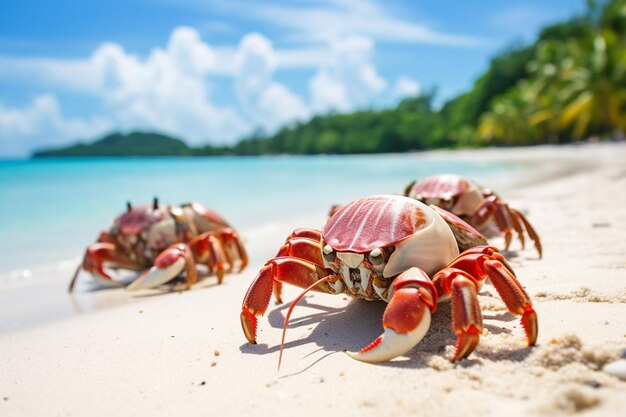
{"x": 51, "y": 208}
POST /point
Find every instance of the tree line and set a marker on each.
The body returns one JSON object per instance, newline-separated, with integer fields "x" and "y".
{"x": 568, "y": 85}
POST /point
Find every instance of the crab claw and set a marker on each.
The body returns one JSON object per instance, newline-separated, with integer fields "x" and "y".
{"x": 406, "y": 319}
{"x": 96, "y": 256}
{"x": 169, "y": 264}
{"x": 391, "y": 343}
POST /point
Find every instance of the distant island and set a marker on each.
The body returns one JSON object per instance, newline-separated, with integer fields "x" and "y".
{"x": 119, "y": 144}
{"x": 568, "y": 85}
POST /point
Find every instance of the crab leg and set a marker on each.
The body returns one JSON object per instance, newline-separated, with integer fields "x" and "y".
{"x": 476, "y": 265}
{"x": 314, "y": 234}
{"x": 298, "y": 272}
{"x": 218, "y": 250}
{"x": 514, "y": 297}
{"x": 491, "y": 207}
{"x": 531, "y": 231}
{"x": 483, "y": 213}
{"x": 169, "y": 264}
{"x": 298, "y": 247}
{"x": 95, "y": 257}
{"x": 105, "y": 237}
{"x": 505, "y": 218}
{"x": 208, "y": 249}
{"x": 467, "y": 320}
{"x": 471, "y": 261}
{"x": 515, "y": 222}
{"x": 233, "y": 248}
{"x": 406, "y": 319}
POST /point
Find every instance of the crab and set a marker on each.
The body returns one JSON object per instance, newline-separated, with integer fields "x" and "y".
{"x": 163, "y": 241}
{"x": 479, "y": 206}
{"x": 396, "y": 249}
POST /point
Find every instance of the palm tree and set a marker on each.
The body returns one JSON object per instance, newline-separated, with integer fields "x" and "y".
{"x": 508, "y": 120}
{"x": 596, "y": 91}
{"x": 550, "y": 70}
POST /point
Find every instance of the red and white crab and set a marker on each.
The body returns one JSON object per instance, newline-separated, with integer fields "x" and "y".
{"x": 164, "y": 241}
{"x": 399, "y": 250}
{"x": 479, "y": 206}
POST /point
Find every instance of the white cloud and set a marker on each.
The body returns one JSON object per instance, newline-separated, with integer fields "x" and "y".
{"x": 406, "y": 87}
{"x": 170, "y": 89}
{"x": 42, "y": 124}
{"x": 71, "y": 74}
{"x": 332, "y": 19}
{"x": 349, "y": 80}
{"x": 268, "y": 103}
{"x": 324, "y": 24}
{"x": 303, "y": 57}
{"x": 167, "y": 91}
{"x": 328, "y": 93}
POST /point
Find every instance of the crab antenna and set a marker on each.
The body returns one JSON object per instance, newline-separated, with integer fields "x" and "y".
{"x": 293, "y": 304}
{"x": 73, "y": 281}
{"x": 129, "y": 207}
{"x": 407, "y": 189}
{"x": 155, "y": 203}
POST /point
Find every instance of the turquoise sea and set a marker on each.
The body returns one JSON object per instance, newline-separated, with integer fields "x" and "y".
{"x": 50, "y": 209}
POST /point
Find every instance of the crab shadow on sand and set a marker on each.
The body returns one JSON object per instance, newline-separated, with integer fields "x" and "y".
{"x": 91, "y": 296}
{"x": 354, "y": 326}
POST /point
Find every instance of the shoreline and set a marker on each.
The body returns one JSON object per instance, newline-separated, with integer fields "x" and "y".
{"x": 523, "y": 155}
{"x": 48, "y": 281}
{"x": 152, "y": 355}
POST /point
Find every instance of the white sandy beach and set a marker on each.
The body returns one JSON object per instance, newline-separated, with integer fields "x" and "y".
{"x": 185, "y": 354}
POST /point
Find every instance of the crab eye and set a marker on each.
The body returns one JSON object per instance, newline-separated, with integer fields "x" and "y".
{"x": 376, "y": 257}
{"x": 329, "y": 253}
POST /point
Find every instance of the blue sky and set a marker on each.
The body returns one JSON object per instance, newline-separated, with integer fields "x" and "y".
{"x": 213, "y": 71}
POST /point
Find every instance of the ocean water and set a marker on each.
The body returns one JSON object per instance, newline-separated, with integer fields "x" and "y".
{"x": 50, "y": 209}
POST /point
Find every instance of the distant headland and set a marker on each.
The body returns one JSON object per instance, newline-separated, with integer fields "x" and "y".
{"x": 120, "y": 144}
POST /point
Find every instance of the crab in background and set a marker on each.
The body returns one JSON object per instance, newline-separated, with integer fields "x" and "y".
{"x": 480, "y": 207}
{"x": 163, "y": 241}
{"x": 399, "y": 250}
